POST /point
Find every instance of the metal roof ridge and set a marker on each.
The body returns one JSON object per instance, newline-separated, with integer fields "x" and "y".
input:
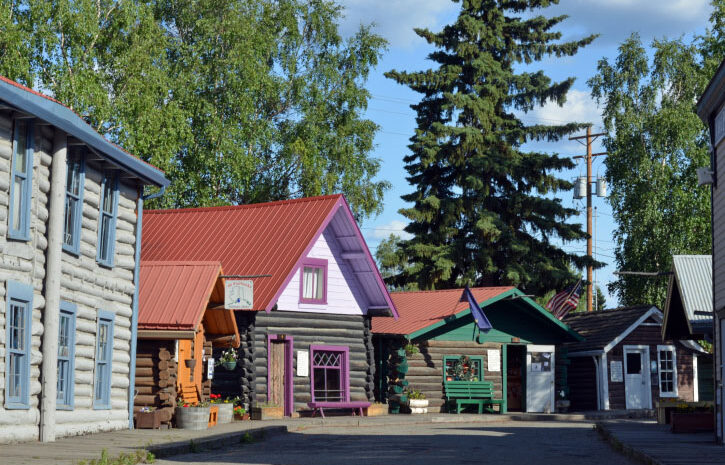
{"x": 243, "y": 206}
{"x": 611, "y": 310}
{"x": 457, "y": 289}
{"x": 180, "y": 263}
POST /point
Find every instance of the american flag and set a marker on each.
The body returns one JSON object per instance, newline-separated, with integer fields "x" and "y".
{"x": 565, "y": 300}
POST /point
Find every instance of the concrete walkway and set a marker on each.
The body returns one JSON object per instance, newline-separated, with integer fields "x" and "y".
{"x": 654, "y": 444}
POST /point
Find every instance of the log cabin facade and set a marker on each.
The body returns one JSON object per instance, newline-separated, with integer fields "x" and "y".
{"x": 517, "y": 355}
{"x": 624, "y": 363}
{"x": 181, "y": 320}
{"x": 307, "y": 334}
{"x": 70, "y": 226}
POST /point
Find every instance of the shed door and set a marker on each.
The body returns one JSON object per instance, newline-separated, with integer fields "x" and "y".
{"x": 539, "y": 378}
{"x": 276, "y": 375}
{"x": 636, "y": 377}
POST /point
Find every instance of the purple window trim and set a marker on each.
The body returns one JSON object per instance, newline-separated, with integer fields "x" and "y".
{"x": 288, "y": 375}
{"x": 344, "y": 372}
{"x": 313, "y": 263}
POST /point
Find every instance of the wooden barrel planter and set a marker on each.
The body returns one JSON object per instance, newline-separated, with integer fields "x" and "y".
{"x": 193, "y": 418}
{"x": 226, "y": 413}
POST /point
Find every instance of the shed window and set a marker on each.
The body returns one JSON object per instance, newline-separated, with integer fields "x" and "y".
{"x": 330, "y": 375}
{"x": 17, "y": 354}
{"x": 462, "y": 368}
{"x": 634, "y": 363}
{"x": 66, "y": 356}
{"x": 313, "y": 288}
{"x": 73, "y": 203}
{"x": 666, "y": 362}
{"x": 107, "y": 220}
{"x": 22, "y": 181}
{"x": 104, "y": 357}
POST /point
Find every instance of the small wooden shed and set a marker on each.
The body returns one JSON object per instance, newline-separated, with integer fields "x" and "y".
{"x": 517, "y": 355}
{"x": 624, "y": 363}
{"x": 181, "y": 318}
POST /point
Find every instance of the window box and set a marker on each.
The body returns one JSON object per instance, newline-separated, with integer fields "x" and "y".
{"x": 692, "y": 422}
{"x": 268, "y": 412}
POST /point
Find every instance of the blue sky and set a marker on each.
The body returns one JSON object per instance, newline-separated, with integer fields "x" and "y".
{"x": 389, "y": 107}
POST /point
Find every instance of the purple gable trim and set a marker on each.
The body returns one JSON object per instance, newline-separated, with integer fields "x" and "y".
{"x": 316, "y": 263}
{"x": 370, "y": 259}
{"x": 289, "y": 405}
{"x": 294, "y": 269}
{"x": 345, "y": 367}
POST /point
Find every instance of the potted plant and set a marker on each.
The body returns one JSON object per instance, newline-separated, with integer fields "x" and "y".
{"x": 148, "y": 418}
{"x": 240, "y": 413}
{"x": 267, "y": 411}
{"x": 228, "y": 359}
{"x": 192, "y": 416}
{"x": 562, "y": 403}
{"x": 417, "y": 402}
{"x": 226, "y": 408}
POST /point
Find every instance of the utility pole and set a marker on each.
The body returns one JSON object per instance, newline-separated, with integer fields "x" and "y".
{"x": 590, "y": 138}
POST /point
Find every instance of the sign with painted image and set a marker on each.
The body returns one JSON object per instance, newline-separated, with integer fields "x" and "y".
{"x": 616, "y": 371}
{"x": 210, "y": 368}
{"x": 494, "y": 360}
{"x": 239, "y": 294}
{"x": 303, "y": 363}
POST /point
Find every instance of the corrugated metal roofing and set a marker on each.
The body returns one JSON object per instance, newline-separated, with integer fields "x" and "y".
{"x": 49, "y": 109}
{"x": 174, "y": 295}
{"x": 420, "y": 309}
{"x": 602, "y": 327}
{"x": 693, "y": 275}
{"x": 260, "y": 239}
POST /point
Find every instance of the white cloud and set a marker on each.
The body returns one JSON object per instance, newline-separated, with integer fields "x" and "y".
{"x": 395, "y": 19}
{"x": 579, "y": 107}
{"x": 394, "y": 227}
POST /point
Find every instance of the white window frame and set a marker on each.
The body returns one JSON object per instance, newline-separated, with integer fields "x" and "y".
{"x": 673, "y": 350}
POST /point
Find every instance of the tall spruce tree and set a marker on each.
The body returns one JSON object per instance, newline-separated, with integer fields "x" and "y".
{"x": 484, "y": 211}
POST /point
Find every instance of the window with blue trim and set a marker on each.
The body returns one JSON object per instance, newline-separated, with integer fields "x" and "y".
{"x": 104, "y": 357}
{"x": 73, "y": 202}
{"x": 17, "y": 354}
{"x": 107, "y": 220}
{"x": 21, "y": 181}
{"x": 66, "y": 356}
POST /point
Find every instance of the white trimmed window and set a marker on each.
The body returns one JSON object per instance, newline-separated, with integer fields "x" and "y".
{"x": 667, "y": 364}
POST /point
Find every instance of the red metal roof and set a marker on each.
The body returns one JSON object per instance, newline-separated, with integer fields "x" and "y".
{"x": 418, "y": 310}
{"x": 258, "y": 239}
{"x": 174, "y": 295}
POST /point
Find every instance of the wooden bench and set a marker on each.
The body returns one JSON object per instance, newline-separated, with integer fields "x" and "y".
{"x": 471, "y": 393}
{"x": 354, "y": 405}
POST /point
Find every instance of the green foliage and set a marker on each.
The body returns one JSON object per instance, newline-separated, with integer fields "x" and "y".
{"x": 393, "y": 264}
{"x": 656, "y": 144}
{"x": 411, "y": 349}
{"x": 415, "y": 394}
{"x": 246, "y": 438}
{"x": 237, "y": 101}
{"x": 140, "y": 456}
{"x": 484, "y": 212}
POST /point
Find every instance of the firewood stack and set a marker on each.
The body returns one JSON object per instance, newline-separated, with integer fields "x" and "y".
{"x": 156, "y": 377}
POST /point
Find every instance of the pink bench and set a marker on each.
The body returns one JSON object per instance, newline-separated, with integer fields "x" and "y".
{"x": 355, "y": 405}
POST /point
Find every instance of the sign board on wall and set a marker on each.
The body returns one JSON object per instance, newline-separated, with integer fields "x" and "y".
{"x": 494, "y": 360}
{"x": 616, "y": 371}
{"x": 239, "y": 294}
{"x": 303, "y": 363}
{"x": 209, "y": 368}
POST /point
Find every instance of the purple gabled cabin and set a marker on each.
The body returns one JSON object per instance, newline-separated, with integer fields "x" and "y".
{"x": 316, "y": 287}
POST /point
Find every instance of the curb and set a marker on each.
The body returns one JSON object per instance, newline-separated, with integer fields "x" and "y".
{"x": 212, "y": 442}
{"x": 623, "y": 448}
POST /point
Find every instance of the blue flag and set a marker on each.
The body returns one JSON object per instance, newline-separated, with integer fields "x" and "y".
{"x": 478, "y": 316}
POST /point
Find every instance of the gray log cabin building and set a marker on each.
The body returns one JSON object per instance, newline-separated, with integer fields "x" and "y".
{"x": 306, "y": 337}
{"x": 70, "y": 222}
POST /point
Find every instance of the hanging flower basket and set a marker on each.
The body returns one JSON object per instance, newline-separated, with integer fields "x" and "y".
{"x": 230, "y": 366}
{"x": 190, "y": 363}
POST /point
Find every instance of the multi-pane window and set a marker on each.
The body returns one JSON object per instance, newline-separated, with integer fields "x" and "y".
{"x": 22, "y": 180}
{"x": 107, "y": 220}
{"x": 462, "y": 368}
{"x": 329, "y": 374}
{"x": 667, "y": 371}
{"x": 313, "y": 287}
{"x": 17, "y": 354}
{"x": 104, "y": 357}
{"x": 66, "y": 352}
{"x": 73, "y": 202}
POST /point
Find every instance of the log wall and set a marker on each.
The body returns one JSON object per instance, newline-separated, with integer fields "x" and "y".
{"x": 83, "y": 282}
{"x": 156, "y": 372}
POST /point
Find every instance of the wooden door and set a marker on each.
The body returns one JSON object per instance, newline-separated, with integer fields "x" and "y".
{"x": 276, "y": 375}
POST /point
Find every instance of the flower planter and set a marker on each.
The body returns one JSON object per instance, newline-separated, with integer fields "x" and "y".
{"x": 226, "y": 413}
{"x": 148, "y": 420}
{"x": 229, "y": 366}
{"x": 692, "y": 422}
{"x": 377, "y": 409}
{"x": 190, "y": 363}
{"x": 418, "y": 406}
{"x": 244, "y": 417}
{"x": 267, "y": 413}
{"x": 194, "y": 418}
{"x": 562, "y": 405}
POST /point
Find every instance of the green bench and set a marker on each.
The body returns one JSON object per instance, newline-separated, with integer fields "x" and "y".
{"x": 471, "y": 393}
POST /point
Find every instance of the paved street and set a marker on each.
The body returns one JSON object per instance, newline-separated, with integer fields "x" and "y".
{"x": 539, "y": 442}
